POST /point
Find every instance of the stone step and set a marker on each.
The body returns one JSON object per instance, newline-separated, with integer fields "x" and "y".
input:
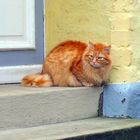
{"x": 22, "y": 107}
{"x": 88, "y": 129}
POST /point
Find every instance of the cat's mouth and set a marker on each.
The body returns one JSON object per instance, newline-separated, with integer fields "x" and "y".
{"x": 96, "y": 65}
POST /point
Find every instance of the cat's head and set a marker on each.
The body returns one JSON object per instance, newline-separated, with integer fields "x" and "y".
{"x": 98, "y": 55}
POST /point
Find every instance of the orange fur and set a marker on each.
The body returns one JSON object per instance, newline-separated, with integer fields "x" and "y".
{"x": 73, "y": 63}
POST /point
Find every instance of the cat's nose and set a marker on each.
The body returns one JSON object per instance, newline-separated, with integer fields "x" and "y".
{"x": 94, "y": 60}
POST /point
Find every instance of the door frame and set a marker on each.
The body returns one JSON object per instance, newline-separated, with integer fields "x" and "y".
{"x": 14, "y": 74}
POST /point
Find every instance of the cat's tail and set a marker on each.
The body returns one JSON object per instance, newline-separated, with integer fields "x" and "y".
{"x": 37, "y": 80}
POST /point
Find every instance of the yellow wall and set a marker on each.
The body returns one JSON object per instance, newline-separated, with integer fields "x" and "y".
{"x": 125, "y": 39}
{"x": 77, "y": 20}
{"x": 110, "y": 21}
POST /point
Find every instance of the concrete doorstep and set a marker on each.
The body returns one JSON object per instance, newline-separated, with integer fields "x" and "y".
{"x": 22, "y": 107}
{"x": 88, "y": 129}
{"x": 58, "y": 114}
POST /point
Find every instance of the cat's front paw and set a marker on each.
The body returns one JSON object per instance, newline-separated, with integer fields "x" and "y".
{"x": 100, "y": 84}
{"x": 104, "y": 83}
{"x": 87, "y": 84}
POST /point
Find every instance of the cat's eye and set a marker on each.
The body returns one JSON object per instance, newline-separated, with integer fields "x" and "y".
{"x": 100, "y": 58}
{"x": 90, "y": 56}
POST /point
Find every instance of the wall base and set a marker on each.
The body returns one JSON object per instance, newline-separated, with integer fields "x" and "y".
{"x": 122, "y": 100}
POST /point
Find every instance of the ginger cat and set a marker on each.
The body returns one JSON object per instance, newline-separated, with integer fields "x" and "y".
{"x": 74, "y": 64}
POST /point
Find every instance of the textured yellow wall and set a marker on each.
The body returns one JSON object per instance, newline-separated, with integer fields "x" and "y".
{"x": 83, "y": 20}
{"x": 125, "y": 39}
{"x": 111, "y": 21}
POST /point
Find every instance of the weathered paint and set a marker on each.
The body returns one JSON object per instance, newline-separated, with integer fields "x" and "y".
{"x": 122, "y": 100}
{"x": 112, "y": 22}
{"x": 125, "y": 25}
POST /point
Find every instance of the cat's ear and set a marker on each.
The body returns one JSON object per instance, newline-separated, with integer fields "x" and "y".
{"x": 90, "y": 45}
{"x": 107, "y": 49}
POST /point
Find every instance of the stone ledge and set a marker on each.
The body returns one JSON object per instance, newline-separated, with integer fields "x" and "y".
{"x": 89, "y": 129}
{"x": 27, "y": 107}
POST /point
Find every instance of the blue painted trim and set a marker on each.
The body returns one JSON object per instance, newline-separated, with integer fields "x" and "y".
{"x": 122, "y": 100}
{"x": 28, "y": 57}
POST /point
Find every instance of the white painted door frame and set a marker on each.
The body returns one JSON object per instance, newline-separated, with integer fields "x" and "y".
{"x": 19, "y": 42}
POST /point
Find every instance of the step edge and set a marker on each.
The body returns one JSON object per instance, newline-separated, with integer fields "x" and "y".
{"x": 12, "y": 91}
{"x": 133, "y": 124}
